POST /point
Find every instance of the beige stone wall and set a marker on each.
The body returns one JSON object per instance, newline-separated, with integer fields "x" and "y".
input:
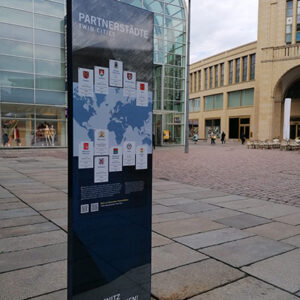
{"x": 277, "y": 67}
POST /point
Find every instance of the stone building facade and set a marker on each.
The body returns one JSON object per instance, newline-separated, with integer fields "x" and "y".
{"x": 243, "y": 90}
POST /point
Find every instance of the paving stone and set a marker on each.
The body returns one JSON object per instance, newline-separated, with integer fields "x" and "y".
{"x": 203, "y": 194}
{"x": 193, "y": 208}
{"x": 245, "y": 203}
{"x": 271, "y": 211}
{"x": 158, "y": 240}
{"x": 157, "y": 195}
{"x": 275, "y": 230}
{"x": 214, "y": 237}
{"x": 29, "y": 258}
{"x": 32, "y": 241}
{"x": 21, "y": 221}
{"x": 290, "y": 219}
{"x": 44, "y": 197}
{"x": 60, "y": 295}
{"x": 295, "y": 240}
{"x": 160, "y": 209}
{"x": 188, "y": 281}
{"x": 34, "y": 281}
{"x": 13, "y": 205}
{"x": 242, "y": 221}
{"x": 5, "y": 194}
{"x": 246, "y": 289}
{"x": 169, "y": 217}
{"x": 56, "y": 213}
{"x": 15, "y": 213}
{"x": 172, "y": 256}
{"x": 185, "y": 227}
{"x": 49, "y": 205}
{"x": 218, "y": 213}
{"x": 27, "y": 229}
{"x": 243, "y": 252}
{"x": 222, "y": 199}
{"x": 188, "y": 191}
{"x": 9, "y": 200}
{"x": 175, "y": 201}
{"x": 287, "y": 265}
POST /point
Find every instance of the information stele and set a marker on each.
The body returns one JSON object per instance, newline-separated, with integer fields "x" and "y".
{"x": 110, "y": 65}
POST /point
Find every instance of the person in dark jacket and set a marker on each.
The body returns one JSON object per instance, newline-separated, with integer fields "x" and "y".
{"x": 223, "y": 137}
{"x": 243, "y": 138}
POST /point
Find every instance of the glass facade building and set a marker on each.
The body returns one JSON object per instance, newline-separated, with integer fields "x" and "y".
{"x": 32, "y": 73}
{"x": 33, "y": 99}
{"x": 169, "y": 68}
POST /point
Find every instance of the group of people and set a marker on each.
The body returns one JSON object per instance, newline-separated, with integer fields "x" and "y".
{"x": 213, "y": 137}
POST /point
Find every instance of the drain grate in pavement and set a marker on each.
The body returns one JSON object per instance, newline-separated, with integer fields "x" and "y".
{"x": 162, "y": 178}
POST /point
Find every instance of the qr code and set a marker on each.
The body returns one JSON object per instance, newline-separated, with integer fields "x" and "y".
{"x": 84, "y": 209}
{"x": 94, "y": 207}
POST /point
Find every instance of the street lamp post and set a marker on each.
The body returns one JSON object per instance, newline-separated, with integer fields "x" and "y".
{"x": 186, "y": 147}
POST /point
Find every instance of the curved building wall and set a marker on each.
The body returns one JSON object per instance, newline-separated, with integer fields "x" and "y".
{"x": 169, "y": 68}
{"x": 32, "y": 73}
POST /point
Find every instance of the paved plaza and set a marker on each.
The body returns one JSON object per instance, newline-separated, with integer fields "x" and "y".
{"x": 216, "y": 236}
{"x": 232, "y": 168}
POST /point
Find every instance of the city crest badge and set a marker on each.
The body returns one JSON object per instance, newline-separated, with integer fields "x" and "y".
{"x": 85, "y": 146}
{"x": 129, "y": 76}
{"x": 86, "y": 74}
{"x": 101, "y": 72}
{"x": 115, "y": 151}
{"x": 101, "y": 161}
{"x": 101, "y": 134}
{"x": 141, "y": 150}
{"x": 142, "y": 86}
{"x": 129, "y": 146}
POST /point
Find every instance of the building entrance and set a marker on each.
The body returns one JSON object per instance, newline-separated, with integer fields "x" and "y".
{"x": 295, "y": 128}
{"x": 239, "y": 125}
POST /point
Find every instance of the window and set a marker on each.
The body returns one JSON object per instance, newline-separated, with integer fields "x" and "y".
{"x": 252, "y": 66}
{"x": 238, "y": 70}
{"x": 216, "y": 76}
{"x": 222, "y": 74}
{"x": 231, "y": 72}
{"x": 199, "y": 80}
{"x": 194, "y": 105}
{"x": 211, "y": 74}
{"x": 213, "y": 102}
{"x": 245, "y": 67}
{"x": 241, "y": 98}
{"x": 195, "y": 81}
{"x": 206, "y": 78}
{"x": 289, "y": 21}
{"x": 298, "y": 22}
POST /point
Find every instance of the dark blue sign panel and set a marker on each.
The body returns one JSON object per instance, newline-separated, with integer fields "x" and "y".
{"x": 110, "y": 63}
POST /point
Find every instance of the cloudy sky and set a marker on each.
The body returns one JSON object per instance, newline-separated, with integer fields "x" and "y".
{"x": 221, "y": 25}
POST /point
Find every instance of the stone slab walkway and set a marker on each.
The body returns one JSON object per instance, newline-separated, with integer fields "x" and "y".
{"x": 207, "y": 244}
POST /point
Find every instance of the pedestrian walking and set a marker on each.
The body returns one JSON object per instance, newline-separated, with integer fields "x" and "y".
{"x": 243, "y": 138}
{"x": 195, "y": 137}
{"x": 212, "y": 138}
{"x": 223, "y": 135}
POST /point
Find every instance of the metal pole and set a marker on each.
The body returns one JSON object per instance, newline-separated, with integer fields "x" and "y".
{"x": 186, "y": 147}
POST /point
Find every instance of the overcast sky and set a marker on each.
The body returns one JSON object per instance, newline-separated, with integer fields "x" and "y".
{"x": 221, "y": 25}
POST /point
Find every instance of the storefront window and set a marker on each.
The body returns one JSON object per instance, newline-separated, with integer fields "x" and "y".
{"x": 30, "y": 126}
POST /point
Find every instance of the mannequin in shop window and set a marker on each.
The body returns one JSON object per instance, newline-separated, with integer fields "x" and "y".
{"x": 52, "y": 134}
{"x": 47, "y": 135}
{"x": 17, "y": 136}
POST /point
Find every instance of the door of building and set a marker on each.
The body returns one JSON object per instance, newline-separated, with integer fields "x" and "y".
{"x": 295, "y": 130}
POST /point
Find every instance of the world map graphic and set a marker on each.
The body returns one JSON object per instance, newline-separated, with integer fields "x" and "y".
{"x": 120, "y": 115}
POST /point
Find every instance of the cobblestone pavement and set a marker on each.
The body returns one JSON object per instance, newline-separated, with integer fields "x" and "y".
{"x": 272, "y": 175}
